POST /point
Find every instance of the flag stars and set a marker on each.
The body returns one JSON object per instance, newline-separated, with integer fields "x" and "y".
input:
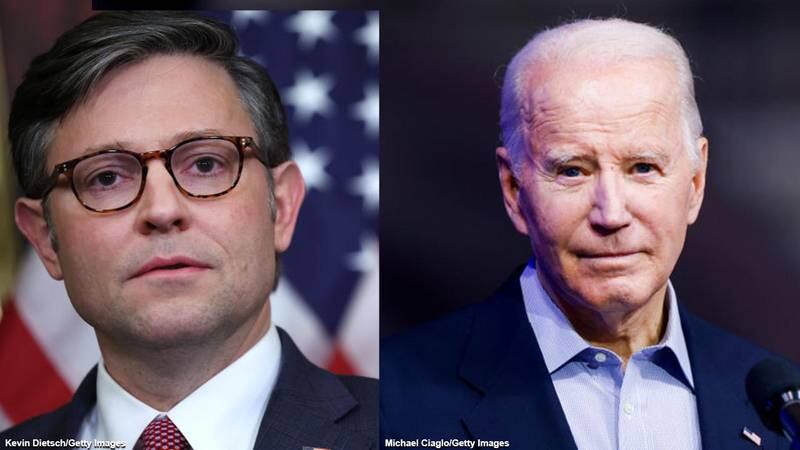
{"x": 257, "y": 58}
{"x": 367, "y": 185}
{"x": 369, "y": 36}
{"x": 312, "y": 165}
{"x": 241, "y": 19}
{"x": 368, "y": 109}
{"x": 366, "y": 258}
{"x": 310, "y": 95}
{"x": 312, "y": 26}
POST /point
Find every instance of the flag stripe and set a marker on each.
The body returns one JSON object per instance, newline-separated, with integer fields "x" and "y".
{"x": 291, "y": 313}
{"x": 339, "y": 363}
{"x": 44, "y": 307}
{"x": 5, "y": 422}
{"x": 359, "y": 329}
{"x": 31, "y": 384}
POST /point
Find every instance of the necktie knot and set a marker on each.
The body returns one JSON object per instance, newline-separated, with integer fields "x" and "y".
{"x": 162, "y": 434}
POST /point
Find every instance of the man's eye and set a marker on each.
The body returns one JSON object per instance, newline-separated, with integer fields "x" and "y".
{"x": 205, "y": 165}
{"x": 643, "y": 168}
{"x": 570, "y": 172}
{"x": 106, "y": 178}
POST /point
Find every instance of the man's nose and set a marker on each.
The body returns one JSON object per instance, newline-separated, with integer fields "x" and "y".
{"x": 162, "y": 207}
{"x": 610, "y": 209}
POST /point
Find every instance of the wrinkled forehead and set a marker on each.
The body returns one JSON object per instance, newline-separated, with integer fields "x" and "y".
{"x": 588, "y": 89}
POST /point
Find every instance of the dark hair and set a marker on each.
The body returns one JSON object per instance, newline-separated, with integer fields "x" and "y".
{"x": 61, "y": 79}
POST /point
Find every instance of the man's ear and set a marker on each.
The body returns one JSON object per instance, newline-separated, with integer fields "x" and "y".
{"x": 698, "y": 181}
{"x": 290, "y": 189}
{"x": 29, "y": 215}
{"x": 511, "y": 189}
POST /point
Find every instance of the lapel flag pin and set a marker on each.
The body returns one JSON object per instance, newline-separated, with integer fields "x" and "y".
{"x": 754, "y": 438}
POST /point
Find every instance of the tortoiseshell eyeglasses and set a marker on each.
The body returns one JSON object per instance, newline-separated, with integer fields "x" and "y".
{"x": 112, "y": 180}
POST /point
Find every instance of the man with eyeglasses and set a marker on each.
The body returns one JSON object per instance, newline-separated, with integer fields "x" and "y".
{"x": 158, "y": 186}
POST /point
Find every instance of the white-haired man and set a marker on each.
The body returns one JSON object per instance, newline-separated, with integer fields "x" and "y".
{"x": 603, "y": 168}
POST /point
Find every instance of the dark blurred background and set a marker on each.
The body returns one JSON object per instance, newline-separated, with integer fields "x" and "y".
{"x": 445, "y": 238}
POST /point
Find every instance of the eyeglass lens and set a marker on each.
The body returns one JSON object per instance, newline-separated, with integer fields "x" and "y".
{"x": 113, "y": 180}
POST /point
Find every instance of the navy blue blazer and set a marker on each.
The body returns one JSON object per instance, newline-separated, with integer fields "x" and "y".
{"x": 308, "y": 407}
{"x": 479, "y": 374}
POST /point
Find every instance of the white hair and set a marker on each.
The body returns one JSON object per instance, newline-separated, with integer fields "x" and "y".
{"x": 599, "y": 41}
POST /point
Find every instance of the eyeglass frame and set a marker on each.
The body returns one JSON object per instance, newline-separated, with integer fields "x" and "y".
{"x": 67, "y": 167}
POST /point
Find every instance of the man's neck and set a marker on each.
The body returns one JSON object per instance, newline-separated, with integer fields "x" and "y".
{"x": 161, "y": 378}
{"x": 623, "y": 331}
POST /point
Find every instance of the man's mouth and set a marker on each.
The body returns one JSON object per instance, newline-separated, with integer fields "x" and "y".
{"x": 609, "y": 260}
{"x": 170, "y": 266}
{"x": 605, "y": 255}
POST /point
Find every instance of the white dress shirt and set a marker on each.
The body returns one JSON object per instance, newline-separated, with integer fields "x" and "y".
{"x": 647, "y": 406}
{"x": 225, "y": 412}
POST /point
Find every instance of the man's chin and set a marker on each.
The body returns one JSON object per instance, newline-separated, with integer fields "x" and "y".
{"x": 163, "y": 328}
{"x": 616, "y": 295}
{"x": 166, "y": 336}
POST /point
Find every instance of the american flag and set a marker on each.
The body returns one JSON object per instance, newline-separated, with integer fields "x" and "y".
{"x": 325, "y": 64}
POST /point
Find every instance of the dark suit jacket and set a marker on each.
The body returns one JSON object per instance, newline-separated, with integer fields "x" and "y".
{"x": 479, "y": 374}
{"x": 308, "y": 407}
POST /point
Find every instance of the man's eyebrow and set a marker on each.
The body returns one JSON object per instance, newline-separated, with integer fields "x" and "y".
{"x": 649, "y": 156}
{"x": 116, "y": 145}
{"x": 561, "y": 157}
{"x": 176, "y": 138}
{"x": 189, "y": 134}
{"x": 558, "y": 158}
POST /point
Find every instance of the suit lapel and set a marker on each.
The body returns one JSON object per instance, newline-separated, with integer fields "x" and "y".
{"x": 66, "y": 422}
{"x": 503, "y": 361}
{"x": 83, "y": 401}
{"x": 722, "y": 404}
{"x": 304, "y": 407}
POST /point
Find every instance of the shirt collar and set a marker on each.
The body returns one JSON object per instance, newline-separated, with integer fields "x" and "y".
{"x": 225, "y": 412}
{"x": 560, "y": 343}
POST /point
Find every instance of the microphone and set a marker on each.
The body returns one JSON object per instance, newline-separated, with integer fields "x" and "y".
{"x": 773, "y": 386}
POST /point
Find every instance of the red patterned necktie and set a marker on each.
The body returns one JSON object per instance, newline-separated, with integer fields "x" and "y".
{"x": 162, "y": 434}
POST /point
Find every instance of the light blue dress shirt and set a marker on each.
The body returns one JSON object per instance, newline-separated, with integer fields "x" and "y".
{"x": 647, "y": 406}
